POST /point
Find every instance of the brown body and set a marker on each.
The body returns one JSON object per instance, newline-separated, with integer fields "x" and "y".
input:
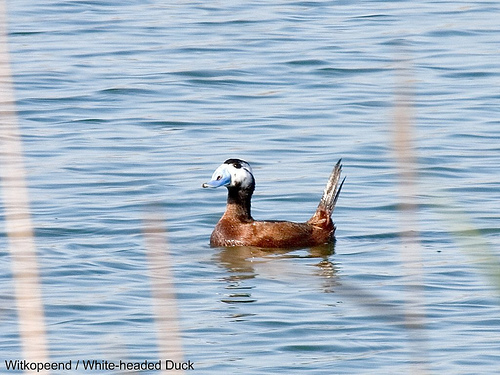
{"x": 237, "y": 227}
{"x": 234, "y": 230}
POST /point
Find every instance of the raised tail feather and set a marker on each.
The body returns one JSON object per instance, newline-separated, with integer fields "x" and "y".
{"x": 332, "y": 189}
{"x": 330, "y": 195}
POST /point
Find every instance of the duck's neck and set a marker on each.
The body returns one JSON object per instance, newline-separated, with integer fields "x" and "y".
{"x": 238, "y": 204}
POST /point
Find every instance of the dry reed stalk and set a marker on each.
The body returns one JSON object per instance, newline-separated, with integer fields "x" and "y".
{"x": 163, "y": 289}
{"x": 411, "y": 249}
{"x": 18, "y": 224}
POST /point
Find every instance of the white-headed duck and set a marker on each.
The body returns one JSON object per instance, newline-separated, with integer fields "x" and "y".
{"x": 237, "y": 227}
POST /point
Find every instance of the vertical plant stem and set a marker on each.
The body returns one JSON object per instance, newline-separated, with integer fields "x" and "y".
{"x": 410, "y": 249}
{"x": 163, "y": 290}
{"x": 17, "y": 214}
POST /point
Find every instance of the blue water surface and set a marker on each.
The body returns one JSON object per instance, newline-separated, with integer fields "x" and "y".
{"x": 124, "y": 105}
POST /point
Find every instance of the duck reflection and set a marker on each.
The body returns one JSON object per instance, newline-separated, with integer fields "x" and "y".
{"x": 245, "y": 263}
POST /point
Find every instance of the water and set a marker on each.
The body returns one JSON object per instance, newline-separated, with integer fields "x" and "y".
{"x": 132, "y": 103}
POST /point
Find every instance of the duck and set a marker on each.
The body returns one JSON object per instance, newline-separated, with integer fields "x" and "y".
{"x": 237, "y": 227}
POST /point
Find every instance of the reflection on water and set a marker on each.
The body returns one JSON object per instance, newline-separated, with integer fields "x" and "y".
{"x": 246, "y": 262}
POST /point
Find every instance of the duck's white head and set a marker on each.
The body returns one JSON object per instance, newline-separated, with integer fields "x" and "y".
{"x": 232, "y": 173}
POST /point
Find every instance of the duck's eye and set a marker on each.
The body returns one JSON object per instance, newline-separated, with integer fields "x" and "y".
{"x": 237, "y": 165}
{"x": 219, "y": 177}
